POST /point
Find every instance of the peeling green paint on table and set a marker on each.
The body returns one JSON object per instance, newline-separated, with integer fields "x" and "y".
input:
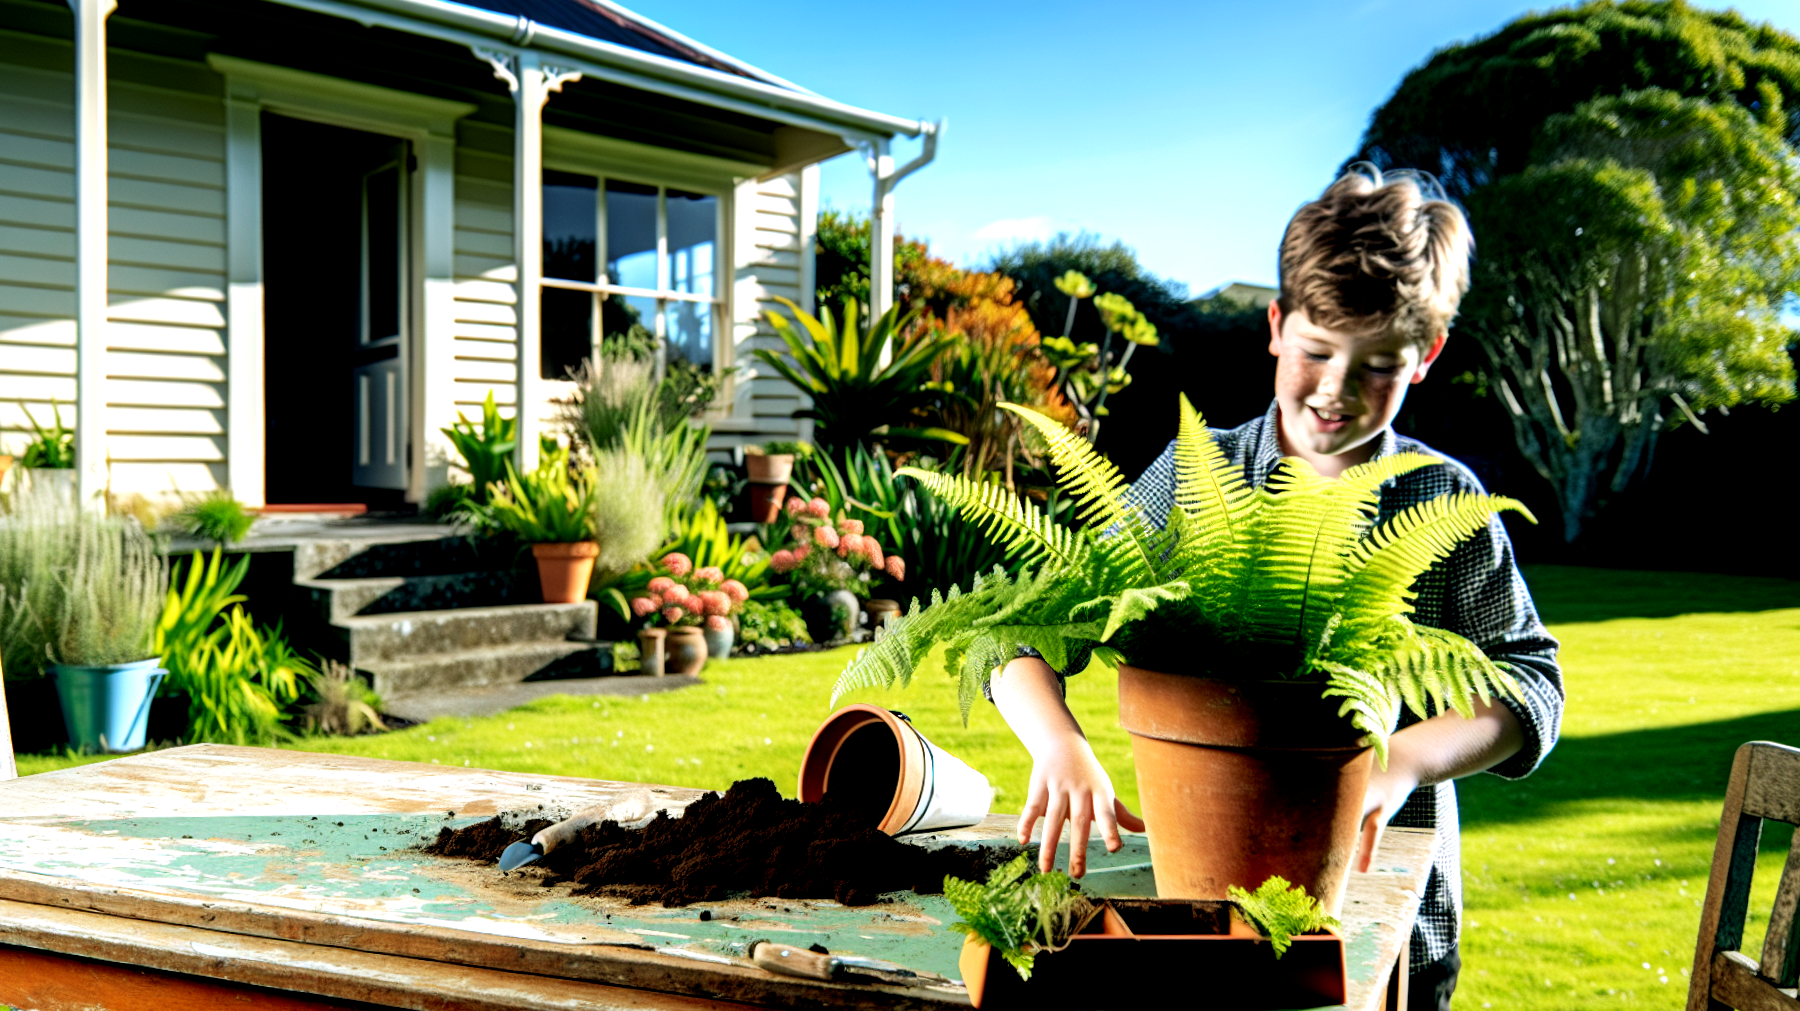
{"x": 371, "y": 867}
{"x": 326, "y": 849}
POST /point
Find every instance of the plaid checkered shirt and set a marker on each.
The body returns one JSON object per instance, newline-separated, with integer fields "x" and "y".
{"x": 1476, "y": 592}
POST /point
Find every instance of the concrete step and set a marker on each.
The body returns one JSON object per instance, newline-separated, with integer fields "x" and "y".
{"x": 337, "y": 599}
{"x": 412, "y": 635}
{"x": 434, "y": 675}
{"x": 422, "y": 676}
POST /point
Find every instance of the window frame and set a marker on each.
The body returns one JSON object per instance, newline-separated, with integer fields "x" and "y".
{"x": 602, "y": 288}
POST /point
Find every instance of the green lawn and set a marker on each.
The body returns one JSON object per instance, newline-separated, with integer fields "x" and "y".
{"x": 1575, "y": 879}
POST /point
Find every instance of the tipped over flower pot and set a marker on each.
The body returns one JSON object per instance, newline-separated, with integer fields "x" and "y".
{"x": 1243, "y": 780}
{"x": 880, "y": 762}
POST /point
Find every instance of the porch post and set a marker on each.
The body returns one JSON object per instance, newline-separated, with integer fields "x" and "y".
{"x": 90, "y": 249}
{"x": 531, "y": 82}
{"x": 881, "y": 230}
{"x": 879, "y": 154}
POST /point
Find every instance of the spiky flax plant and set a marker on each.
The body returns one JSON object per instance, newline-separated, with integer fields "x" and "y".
{"x": 1291, "y": 581}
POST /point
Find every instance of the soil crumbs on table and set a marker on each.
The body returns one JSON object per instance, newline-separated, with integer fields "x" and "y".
{"x": 750, "y": 840}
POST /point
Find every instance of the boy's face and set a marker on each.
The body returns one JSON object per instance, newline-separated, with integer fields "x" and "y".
{"x": 1339, "y": 390}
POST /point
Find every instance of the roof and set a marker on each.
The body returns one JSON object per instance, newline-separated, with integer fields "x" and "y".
{"x": 609, "y": 22}
{"x": 1243, "y": 293}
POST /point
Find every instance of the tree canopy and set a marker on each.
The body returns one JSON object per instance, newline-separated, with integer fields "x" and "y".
{"x": 1630, "y": 173}
{"x": 1471, "y": 113}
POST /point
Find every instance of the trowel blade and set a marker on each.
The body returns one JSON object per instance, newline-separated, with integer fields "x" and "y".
{"x": 519, "y": 854}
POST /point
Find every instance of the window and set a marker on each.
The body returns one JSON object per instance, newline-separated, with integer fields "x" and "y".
{"x": 645, "y": 256}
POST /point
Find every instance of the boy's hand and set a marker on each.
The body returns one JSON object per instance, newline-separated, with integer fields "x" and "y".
{"x": 1388, "y": 789}
{"x": 1447, "y": 746}
{"x": 1068, "y": 784}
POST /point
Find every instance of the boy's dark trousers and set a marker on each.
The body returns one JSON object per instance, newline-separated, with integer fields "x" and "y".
{"x": 1430, "y": 988}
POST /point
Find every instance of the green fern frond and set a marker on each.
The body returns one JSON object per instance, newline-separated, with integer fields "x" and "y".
{"x": 1091, "y": 479}
{"x": 1006, "y": 518}
{"x": 1372, "y": 704}
{"x": 1390, "y": 560}
{"x": 1442, "y": 671}
{"x": 1209, "y": 488}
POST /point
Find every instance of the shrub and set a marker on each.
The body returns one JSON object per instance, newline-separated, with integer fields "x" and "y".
{"x": 485, "y": 448}
{"x": 218, "y": 517}
{"x": 50, "y": 448}
{"x": 342, "y": 702}
{"x": 237, "y": 678}
{"x": 76, "y": 587}
{"x": 551, "y": 504}
{"x": 770, "y": 624}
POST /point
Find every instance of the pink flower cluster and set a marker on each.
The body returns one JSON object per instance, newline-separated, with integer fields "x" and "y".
{"x": 813, "y": 528}
{"x": 711, "y": 597}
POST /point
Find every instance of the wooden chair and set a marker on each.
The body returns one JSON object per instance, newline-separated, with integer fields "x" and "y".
{"x": 1765, "y": 783}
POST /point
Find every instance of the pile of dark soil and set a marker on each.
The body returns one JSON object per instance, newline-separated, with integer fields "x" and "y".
{"x": 749, "y": 841}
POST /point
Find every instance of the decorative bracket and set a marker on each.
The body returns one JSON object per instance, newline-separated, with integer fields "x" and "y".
{"x": 555, "y": 76}
{"x": 505, "y": 64}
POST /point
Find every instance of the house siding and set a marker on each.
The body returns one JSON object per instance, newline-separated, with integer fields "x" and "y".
{"x": 166, "y": 261}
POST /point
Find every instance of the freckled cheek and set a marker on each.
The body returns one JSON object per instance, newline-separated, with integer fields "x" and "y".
{"x": 1295, "y": 377}
{"x": 1380, "y": 391}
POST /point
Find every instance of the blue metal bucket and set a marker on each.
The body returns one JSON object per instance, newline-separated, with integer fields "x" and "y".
{"x": 107, "y": 708}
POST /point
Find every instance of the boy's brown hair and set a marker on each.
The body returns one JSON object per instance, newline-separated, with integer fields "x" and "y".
{"x": 1374, "y": 254}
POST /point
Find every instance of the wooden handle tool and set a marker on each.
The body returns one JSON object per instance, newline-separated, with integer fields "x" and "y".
{"x": 632, "y": 807}
{"x": 791, "y": 961}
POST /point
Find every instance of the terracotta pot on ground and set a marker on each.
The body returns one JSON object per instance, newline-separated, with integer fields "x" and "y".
{"x": 650, "y": 650}
{"x": 769, "y": 469}
{"x": 686, "y": 650}
{"x": 564, "y": 570}
{"x": 1241, "y": 780}
{"x": 765, "y": 501}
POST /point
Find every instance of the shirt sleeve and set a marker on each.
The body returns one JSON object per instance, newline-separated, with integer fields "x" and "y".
{"x": 1481, "y": 596}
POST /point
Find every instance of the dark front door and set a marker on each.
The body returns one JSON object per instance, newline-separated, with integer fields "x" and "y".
{"x": 335, "y": 314}
{"x": 379, "y": 375}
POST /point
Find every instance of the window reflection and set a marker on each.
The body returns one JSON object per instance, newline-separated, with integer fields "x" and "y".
{"x": 693, "y": 231}
{"x": 631, "y": 234}
{"x": 571, "y": 228}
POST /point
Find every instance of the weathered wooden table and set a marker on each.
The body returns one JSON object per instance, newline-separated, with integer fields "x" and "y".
{"x": 209, "y": 876}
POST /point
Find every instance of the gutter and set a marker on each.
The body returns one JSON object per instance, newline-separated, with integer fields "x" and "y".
{"x": 630, "y": 66}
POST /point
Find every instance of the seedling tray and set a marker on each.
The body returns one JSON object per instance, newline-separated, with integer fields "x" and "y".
{"x": 1146, "y": 954}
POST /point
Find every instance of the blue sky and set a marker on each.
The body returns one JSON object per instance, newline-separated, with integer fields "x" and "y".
{"x": 1190, "y": 131}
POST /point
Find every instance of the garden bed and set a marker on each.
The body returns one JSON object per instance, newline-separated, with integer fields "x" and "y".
{"x": 747, "y": 841}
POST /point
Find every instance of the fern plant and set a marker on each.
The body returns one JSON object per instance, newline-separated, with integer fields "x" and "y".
{"x": 1282, "y": 912}
{"x": 1018, "y": 912}
{"x": 1290, "y": 581}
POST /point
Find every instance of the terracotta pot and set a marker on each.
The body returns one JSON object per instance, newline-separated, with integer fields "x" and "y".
{"x": 564, "y": 570}
{"x": 5, "y": 465}
{"x": 898, "y": 780}
{"x": 1240, "y": 780}
{"x": 686, "y": 650}
{"x": 650, "y": 650}
{"x": 765, "y": 501}
{"x": 769, "y": 469}
{"x": 880, "y": 611}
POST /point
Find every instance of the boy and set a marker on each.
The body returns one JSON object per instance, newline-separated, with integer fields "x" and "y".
{"x": 1371, "y": 275}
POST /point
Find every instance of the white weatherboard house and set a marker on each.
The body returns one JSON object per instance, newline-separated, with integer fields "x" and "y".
{"x": 275, "y": 246}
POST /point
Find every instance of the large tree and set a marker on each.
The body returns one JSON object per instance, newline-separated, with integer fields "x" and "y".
{"x": 1629, "y": 169}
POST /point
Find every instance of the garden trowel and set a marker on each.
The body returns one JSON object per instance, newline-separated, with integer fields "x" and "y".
{"x": 632, "y": 807}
